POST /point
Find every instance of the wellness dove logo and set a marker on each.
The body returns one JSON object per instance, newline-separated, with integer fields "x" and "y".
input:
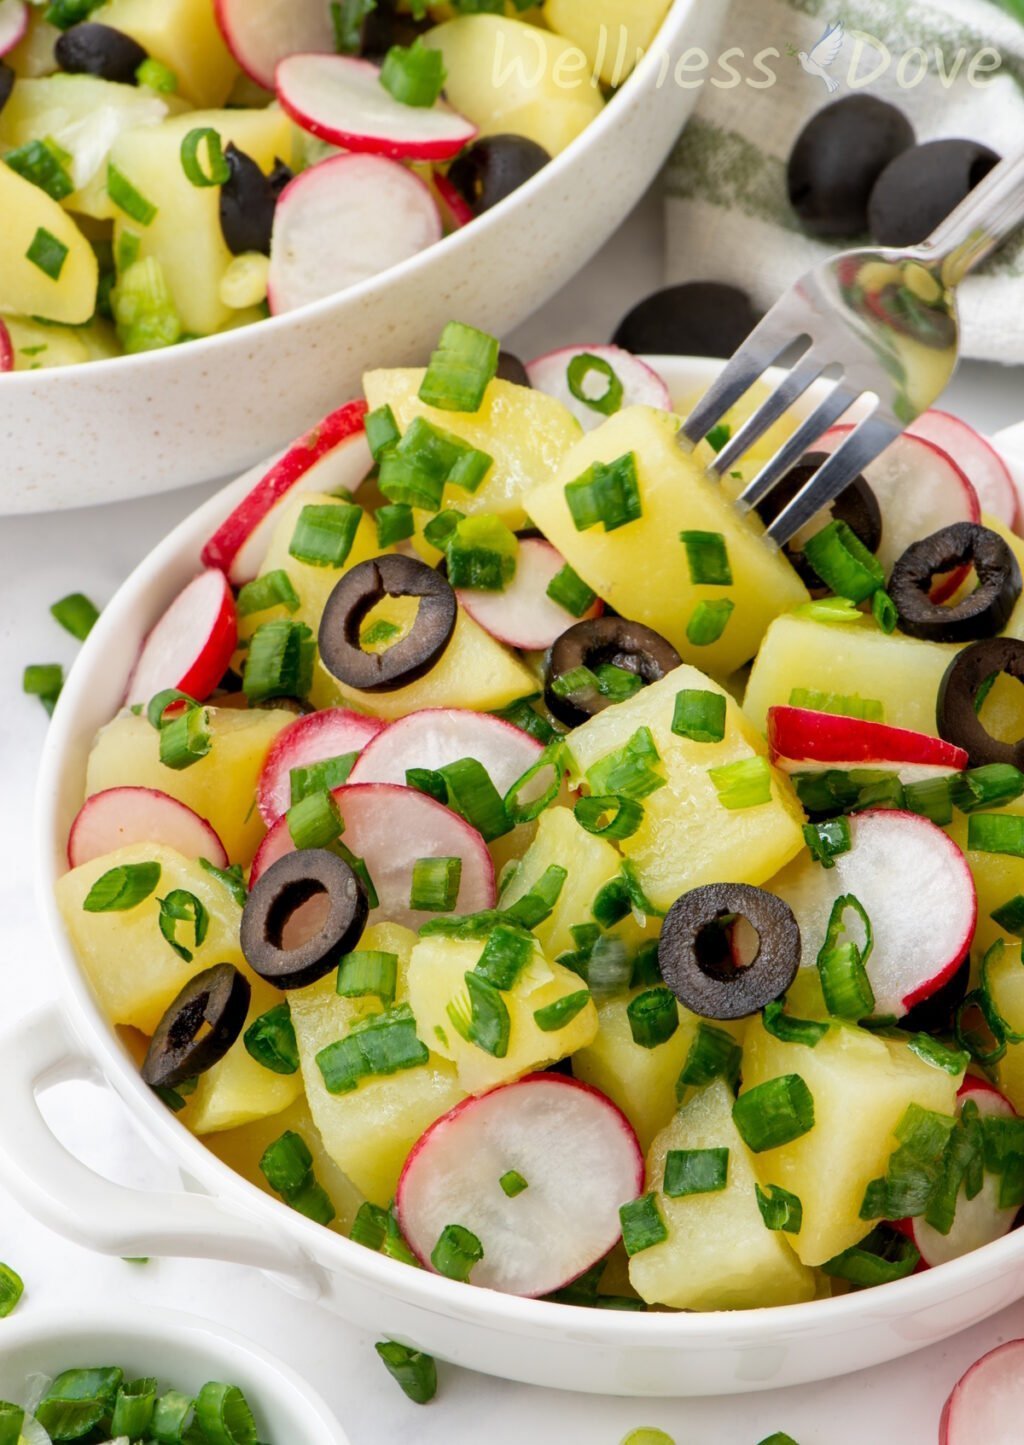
{"x": 824, "y": 55}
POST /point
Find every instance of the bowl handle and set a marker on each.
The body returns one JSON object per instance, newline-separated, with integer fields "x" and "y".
{"x": 112, "y": 1218}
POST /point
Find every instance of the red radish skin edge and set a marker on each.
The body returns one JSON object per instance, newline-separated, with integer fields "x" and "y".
{"x": 455, "y": 206}
{"x": 803, "y": 735}
{"x": 6, "y": 350}
{"x": 933, "y": 985}
{"x": 975, "y": 455}
{"x": 311, "y": 739}
{"x": 13, "y": 26}
{"x": 172, "y": 824}
{"x": 196, "y": 673}
{"x": 234, "y": 14}
{"x": 642, "y": 386}
{"x": 950, "y": 1432}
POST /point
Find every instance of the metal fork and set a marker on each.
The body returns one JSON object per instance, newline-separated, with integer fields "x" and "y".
{"x": 885, "y": 322}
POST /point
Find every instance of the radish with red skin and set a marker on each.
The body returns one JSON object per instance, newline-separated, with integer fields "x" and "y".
{"x": 976, "y": 457}
{"x": 262, "y": 33}
{"x": 581, "y": 1161}
{"x": 455, "y": 209}
{"x": 641, "y": 384}
{"x": 118, "y": 817}
{"x": 13, "y": 25}
{"x": 390, "y": 828}
{"x": 987, "y": 1403}
{"x": 344, "y": 221}
{"x": 333, "y": 456}
{"x": 524, "y": 615}
{"x": 916, "y": 888}
{"x": 191, "y": 647}
{"x": 436, "y": 737}
{"x": 804, "y": 741}
{"x": 6, "y": 350}
{"x": 340, "y": 99}
{"x": 308, "y": 740}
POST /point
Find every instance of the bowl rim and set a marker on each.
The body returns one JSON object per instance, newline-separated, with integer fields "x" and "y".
{"x": 218, "y": 347}
{"x": 431, "y": 1292}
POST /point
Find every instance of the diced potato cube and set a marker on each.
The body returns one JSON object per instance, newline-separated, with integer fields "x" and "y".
{"x": 38, "y": 346}
{"x": 1004, "y": 975}
{"x": 613, "y": 36}
{"x": 47, "y": 267}
{"x": 182, "y": 34}
{"x": 998, "y": 877}
{"x": 238, "y": 1090}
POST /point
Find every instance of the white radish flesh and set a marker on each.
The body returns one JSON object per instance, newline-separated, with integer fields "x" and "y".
{"x": 341, "y": 100}
{"x": 344, "y": 221}
{"x": 333, "y": 456}
{"x": 439, "y": 736}
{"x": 641, "y": 384}
{"x": 987, "y": 1403}
{"x": 524, "y": 615}
{"x": 312, "y": 739}
{"x": 192, "y": 644}
{"x": 262, "y": 33}
{"x": 581, "y": 1162}
{"x": 916, "y": 888}
{"x": 976, "y": 457}
{"x": 390, "y": 828}
{"x": 803, "y": 741}
{"x": 118, "y": 817}
{"x": 13, "y": 25}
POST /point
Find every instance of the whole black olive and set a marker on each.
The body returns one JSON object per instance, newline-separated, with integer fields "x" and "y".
{"x": 956, "y": 710}
{"x": 489, "y": 170}
{"x": 414, "y": 655}
{"x": 838, "y": 157}
{"x": 857, "y": 506}
{"x": 699, "y": 966}
{"x": 510, "y": 368}
{"x": 698, "y": 318}
{"x": 590, "y": 644}
{"x": 983, "y": 612}
{"x": 248, "y": 200}
{"x": 306, "y": 911}
{"x": 7, "y": 79}
{"x": 92, "y": 49}
{"x": 918, "y": 189}
{"x": 199, "y": 1027}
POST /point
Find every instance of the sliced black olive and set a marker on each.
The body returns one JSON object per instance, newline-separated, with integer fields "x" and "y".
{"x": 935, "y": 1014}
{"x": 491, "y": 169}
{"x": 248, "y": 200}
{"x": 699, "y": 318}
{"x": 199, "y": 1027}
{"x": 605, "y": 639}
{"x": 510, "y": 368}
{"x": 838, "y": 157}
{"x": 92, "y": 49}
{"x": 385, "y": 27}
{"x": 413, "y": 655}
{"x": 696, "y": 952}
{"x": 857, "y": 506}
{"x": 983, "y": 612}
{"x": 306, "y": 911}
{"x": 918, "y": 189}
{"x": 7, "y": 79}
{"x": 956, "y": 710}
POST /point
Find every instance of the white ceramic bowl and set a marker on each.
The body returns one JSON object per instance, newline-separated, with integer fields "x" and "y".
{"x": 137, "y": 425}
{"x": 181, "y": 1351}
{"x": 222, "y": 1216}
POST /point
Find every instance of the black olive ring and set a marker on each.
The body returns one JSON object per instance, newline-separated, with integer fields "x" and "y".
{"x": 956, "y": 713}
{"x": 277, "y": 896}
{"x": 629, "y": 645}
{"x": 983, "y": 612}
{"x": 217, "y": 1001}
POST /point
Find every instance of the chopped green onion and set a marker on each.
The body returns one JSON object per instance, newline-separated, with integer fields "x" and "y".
{"x": 417, "y": 469}
{"x": 12, "y": 1287}
{"x": 695, "y": 1171}
{"x": 790, "y": 1030}
{"x": 456, "y": 1252}
{"x": 315, "y": 822}
{"x": 43, "y": 680}
{"x": 774, "y": 1113}
{"x": 435, "y": 884}
{"x": 280, "y": 661}
{"x": 830, "y": 610}
{"x": 883, "y": 1256}
{"x": 642, "y": 1224}
{"x": 780, "y": 1210}
{"x": 218, "y": 172}
{"x": 369, "y": 973}
{"x": 883, "y": 610}
{"x": 482, "y": 553}
{"x": 170, "y": 1416}
{"x": 653, "y": 1017}
{"x": 381, "y": 431}
{"x": 571, "y": 592}
{"x": 558, "y": 1015}
{"x": 486, "y": 1021}
{"x": 466, "y": 360}
{"x": 828, "y": 840}
{"x": 47, "y": 253}
{"x": 439, "y": 529}
{"x": 38, "y": 162}
{"x": 987, "y": 787}
{"x": 381, "y": 1044}
{"x": 347, "y": 17}
{"x": 638, "y": 899}
{"x": 646, "y": 971}
{"x": 122, "y": 888}
{"x": 512, "y": 1183}
{"x": 718, "y": 436}
{"x": 699, "y": 715}
{"x": 930, "y": 798}
{"x": 996, "y": 833}
{"x": 395, "y": 522}
{"x": 270, "y": 1040}
{"x": 505, "y": 954}
{"x": 223, "y": 1415}
{"x": 77, "y": 1401}
{"x": 127, "y": 250}
{"x": 12, "y": 1418}
{"x": 157, "y": 76}
{"x": 779, "y": 1437}
{"x": 606, "y": 492}
{"x": 708, "y": 622}
{"x": 527, "y": 809}
{"x": 611, "y": 903}
{"x": 414, "y": 1371}
{"x": 144, "y": 308}
{"x": 185, "y": 739}
{"x": 581, "y": 368}
{"x": 707, "y": 559}
{"x": 415, "y": 75}
{"x": 868, "y": 709}
{"x": 714, "y": 1054}
{"x": 126, "y": 198}
{"x": 325, "y": 775}
{"x": 841, "y": 964}
{"x": 628, "y": 771}
{"x": 377, "y": 1229}
{"x": 843, "y": 562}
{"x": 746, "y": 783}
{"x": 537, "y": 904}
{"x": 592, "y": 814}
{"x": 939, "y": 1055}
{"x": 324, "y": 534}
{"x": 133, "y": 1409}
{"x": 1010, "y": 915}
{"x": 273, "y": 589}
{"x": 65, "y": 13}
{"x": 180, "y": 906}
{"x": 984, "y": 1040}
{"x": 426, "y": 780}
{"x": 914, "y": 1170}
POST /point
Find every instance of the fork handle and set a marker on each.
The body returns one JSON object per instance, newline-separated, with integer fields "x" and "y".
{"x": 990, "y": 213}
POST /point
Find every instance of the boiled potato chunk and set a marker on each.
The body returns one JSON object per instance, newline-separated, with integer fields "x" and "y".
{"x": 718, "y": 1255}
{"x": 437, "y": 973}
{"x": 60, "y": 285}
{"x": 641, "y": 568}
{"x": 184, "y": 35}
{"x": 220, "y": 787}
{"x": 526, "y": 432}
{"x": 862, "y": 1085}
{"x": 37, "y": 347}
{"x": 238, "y": 1090}
{"x": 998, "y": 877}
{"x": 1004, "y": 974}
{"x": 614, "y": 37}
{"x": 134, "y": 972}
{"x": 687, "y": 837}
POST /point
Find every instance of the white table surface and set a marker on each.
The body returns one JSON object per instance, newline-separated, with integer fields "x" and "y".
{"x": 43, "y": 558}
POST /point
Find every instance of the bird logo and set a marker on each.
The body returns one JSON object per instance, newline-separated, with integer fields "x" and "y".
{"x": 824, "y": 55}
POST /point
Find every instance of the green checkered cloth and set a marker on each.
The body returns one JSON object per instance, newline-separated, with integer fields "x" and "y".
{"x": 728, "y": 217}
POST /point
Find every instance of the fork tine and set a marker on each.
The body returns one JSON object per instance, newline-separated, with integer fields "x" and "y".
{"x": 763, "y": 346}
{"x": 825, "y": 415}
{"x": 867, "y": 441}
{"x": 806, "y": 371}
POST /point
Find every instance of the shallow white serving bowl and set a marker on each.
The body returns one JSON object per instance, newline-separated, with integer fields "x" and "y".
{"x": 181, "y": 1351}
{"x": 220, "y": 1215}
{"x": 138, "y": 425}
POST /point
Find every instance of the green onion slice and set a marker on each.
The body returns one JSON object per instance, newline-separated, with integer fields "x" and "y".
{"x": 324, "y": 533}
{"x": 315, "y": 821}
{"x": 571, "y": 592}
{"x": 774, "y": 1113}
{"x": 609, "y": 817}
{"x": 653, "y": 1017}
{"x": 707, "y": 558}
{"x": 456, "y": 1252}
{"x": 608, "y": 493}
{"x": 581, "y": 368}
{"x": 466, "y": 360}
{"x": 126, "y": 198}
{"x": 642, "y": 1224}
{"x": 695, "y": 1171}
{"x": 714, "y": 1054}
{"x": 369, "y": 974}
{"x": 382, "y": 1044}
{"x": 780, "y": 1210}
{"x": 843, "y": 563}
{"x": 223, "y": 1414}
{"x": 699, "y": 715}
{"x": 122, "y": 888}
{"x": 180, "y": 906}
{"x": 218, "y": 172}
{"x": 709, "y": 621}
{"x": 270, "y": 1040}
{"x": 746, "y": 783}
{"x": 414, "y": 1371}
{"x": 558, "y": 1015}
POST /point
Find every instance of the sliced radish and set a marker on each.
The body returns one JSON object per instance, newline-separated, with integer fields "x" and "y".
{"x": 341, "y": 100}
{"x": 641, "y": 384}
{"x": 191, "y": 646}
{"x": 333, "y": 456}
{"x": 389, "y": 828}
{"x": 438, "y": 736}
{"x": 803, "y": 741}
{"x": 581, "y": 1162}
{"x": 118, "y": 817}
{"x": 977, "y": 1221}
{"x": 6, "y": 350}
{"x": 916, "y": 888}
{"x": 343, "y": 221}
{"x": 13, "y": 25}
{"x": 262, "y": 33}
{"x": 524, "y": 615}
{"x": 976, "y": 457}
{"x": 455, "y": 209}
{"x": 987, "y": 1403}
{"x": 310, "y": 739}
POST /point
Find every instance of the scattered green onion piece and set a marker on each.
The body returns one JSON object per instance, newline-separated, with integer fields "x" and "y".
{"x": 47, "y": 253}
{"x": 369, "y": 973}
{"x": 315, "y": 822}
{"x": 790, "y": 1030}
{"x": 466, "y": 360}
{"x": 616, "y": 682}
{"x": 287, "y": 1166}
{"x": 883, "y": 610}
{"x": 695, "y": 1171}
{"x": 642, "y": 1224}
{"x": 270, "y": 1040}
{"x": 126, "y": 198}
{"x": 456, "y": 1252}
{"x": 558, "y": 1015}
{"x": 186, "y": 739}
{"x": 538, "y": 903}
{"x": 381, "y": 431}
{"x": 774, "y": 1113}
{"x": 746, "y": 783}
{"x": 435, "y": 884}
{"x": 592, "y": 814}
{"x": 417, "y": 469}
{"x": 914, "y": 1170}
{"x": 143, "y": 308}
{"x": 699, "y": 715}
{"x": 347, "y": 17}
{"x": 718, "y": 436}
{"x": 439, "y": 529}
{"x": 127, "y": 250}
{"x": 841, "y": 964}
{"x": 133, "y": 1409}
{"x": 324, "y": 533}
{"x": 223, "y": 1414}
{"x": 395, "y": 522}
{"x": 780, "y": 1210}
{"x": 608, "y": 493}
{"x": 180, "y": 906}
{"x": 122, "y": 888}
{"x": 170, "y": 1417}
{"x": 647, "y": 1435}
{"x": 843, "y": 562}
{"x": 939, "y": 1055}
{"x": 77, "y": 1401}
{"x": 996, "y": 833}
{"x": 987, "y": 787}
{"x": 414, "y": 1371}
{"x": 37, "y": 161}
{"x": 629, "y": 771}
{"x": 12, "y": 1287}
{"x": 482, "y": 553}
{"x": 646, "y": 972}
{"x": 707, "y": 559}
{"x": 713, "y": 1054}
{"x": 12, "y": 1418}
{"x": 571, "y": 592}
{"x": 828, "y": 840}
{"x": 415, "y": 76}
{"x": 485, "y": 1022}
{"x": 581, "y": 368}
{"x": 165, "y": 706}
{"x": 984, "y": 1039}
{"x": 527, "y": 809}
{"x": 157, "y": 76}
{"x": 378, "y": 632}
{"x": 831, "y": 610}
{"x": 280, "y": 661}
{"x": 778, "y": 1438}
{"x": 218, "y": 172}
{"x": 709, "y": 621}
{"x": 377, "y": 1229}
{"x": 883, "y": 1256}
{"x": 505, "y": 954}
{"x": 512, "y": 1183}
{"x": 43, "y": 680}
{"x": 273, "y": 589}
{"x": 868, "y": 709}
{"x": 1010, "y": 915}
{"x": 653, "y": 1017}
{"x": 426, "y": 780}
{"x": 930, "y": 798}
{"x": 65, "y": 13}
{"x": 325, "y": 775}
{"x": 382, "y": 1044}
{"x": 611, "y": 903}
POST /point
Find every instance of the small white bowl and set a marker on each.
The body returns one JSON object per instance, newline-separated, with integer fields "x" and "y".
{"x": 182, "y": 1352}
{"x": 137, "y": 425}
